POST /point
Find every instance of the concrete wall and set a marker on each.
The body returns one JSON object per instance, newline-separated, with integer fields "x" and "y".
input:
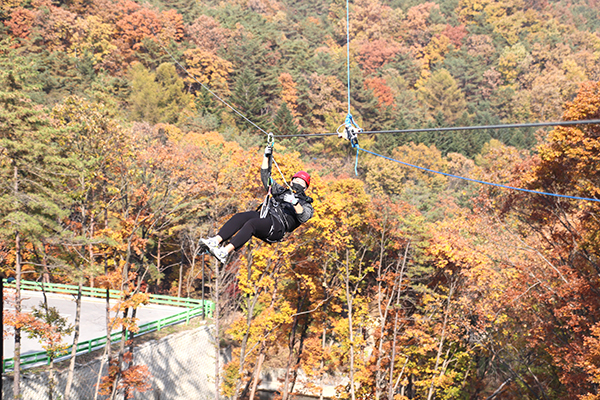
{"x": 182, "y": 367}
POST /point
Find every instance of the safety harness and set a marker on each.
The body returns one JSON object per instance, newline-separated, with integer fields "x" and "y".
{"x": 271, "y": 208}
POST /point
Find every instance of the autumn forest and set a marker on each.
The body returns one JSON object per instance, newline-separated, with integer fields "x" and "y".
{"x": 116, "y": 160}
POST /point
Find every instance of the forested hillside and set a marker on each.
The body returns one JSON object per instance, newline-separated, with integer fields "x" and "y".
{"x": 115, "y": 161}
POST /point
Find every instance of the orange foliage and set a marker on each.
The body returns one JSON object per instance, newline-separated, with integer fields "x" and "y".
{"x": 383, "y": 92}
{"x": 172, "y": 26}
{"x": 20, "y": 22}
{"x": 134, "y": 27}
{"x": 289, "y": 94}
{"x": 417, "y": 21}
{"x": 135, "y": 378}
{"x": 57, "y": 28}
{"x": 564, "y": 234}
{"x": 207, "y": 68}
{"x": 47, "y": 334}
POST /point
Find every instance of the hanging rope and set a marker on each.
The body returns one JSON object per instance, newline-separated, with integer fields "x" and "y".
{"x": 281, "y": 173}
{"x": 348, "y": 48}
{"x": 350, "y": 127}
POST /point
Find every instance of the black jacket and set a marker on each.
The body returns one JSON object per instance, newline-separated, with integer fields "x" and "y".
{"x": 283, "y": 210}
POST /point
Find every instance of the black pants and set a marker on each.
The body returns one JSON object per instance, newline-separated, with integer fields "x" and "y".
{"x": 248, "y": 224}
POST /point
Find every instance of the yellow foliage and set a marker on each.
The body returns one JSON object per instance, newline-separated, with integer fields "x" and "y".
{"x": 510, "y": 60}
{"x": 469, "y": 10}
{"x": 92, "y": 36}
{"x": 384, "y": 177}
{"x": 207, "y": 68}
{"x": 435, "y": 50}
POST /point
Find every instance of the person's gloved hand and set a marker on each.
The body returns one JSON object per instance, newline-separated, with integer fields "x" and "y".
{"x": 290, "y": 198}
{"x": 268, "y": 151}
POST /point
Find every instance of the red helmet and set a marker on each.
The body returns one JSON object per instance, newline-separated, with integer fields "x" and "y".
{"x": 304, "y": 176}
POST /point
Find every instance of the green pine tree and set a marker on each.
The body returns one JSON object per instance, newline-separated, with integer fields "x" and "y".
{"x": 33, "y": 168}
{"x": 159, "y": 97}
{"x": 284, "y": 121}
{"x": 442, "y": 95}
{"x": 247, "y": 99}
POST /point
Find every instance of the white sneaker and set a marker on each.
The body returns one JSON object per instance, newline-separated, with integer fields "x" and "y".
{"x": 220, "y": 254}
{"x": 210, "y": 243}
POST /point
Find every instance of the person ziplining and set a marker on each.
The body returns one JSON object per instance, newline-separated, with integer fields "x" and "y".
{"x": 285, "y": 208}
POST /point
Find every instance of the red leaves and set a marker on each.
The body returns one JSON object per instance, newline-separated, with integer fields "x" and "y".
{"x": 47, "y": 334}
{"x": 456, "y": 34}
{"x": 560, "y": 282}
{"x": 138, "y": 25}
{"x": 135, "y": 378}
{"x": 373, "y": 55}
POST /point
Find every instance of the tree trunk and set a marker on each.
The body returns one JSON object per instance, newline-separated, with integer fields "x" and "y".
{"x": 441, "y": 345}
{"x": 291, "y": 345}
{"x": 75, "y": 340}
{"x": 51, "y": 382}
{"x": 259, "y": 363}
{"x": 46, "y": 273}
{"x": 180, "y": 279}
{"x": 298, "y": 356}
{"x": 203, "y": 293}
{"x": 350, "y": 327}
{"x": 91, "y": 251}
{"x": 216, "y": 317}
{"x": 322, "y": 365}
{"x": 120, "y": 357}
{"x": 250, "y": 305}
{"x": 393, "y": 359}
{"x": 158, "y": 280}
{"x": 17, "y": 356}
{"x": 108, "y": 325}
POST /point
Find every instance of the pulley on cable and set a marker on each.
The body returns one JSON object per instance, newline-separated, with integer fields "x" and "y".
{"x": 350, "y": 133}
{"x": 351, "y": 130}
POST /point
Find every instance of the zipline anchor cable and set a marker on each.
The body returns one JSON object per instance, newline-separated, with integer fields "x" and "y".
{"x": 351, "y": 130}
{"x": 348, "y": 49}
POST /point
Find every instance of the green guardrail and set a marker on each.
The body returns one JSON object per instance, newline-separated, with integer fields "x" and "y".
{"x": 101, "y": 293}
{"x": 196, "y": 308}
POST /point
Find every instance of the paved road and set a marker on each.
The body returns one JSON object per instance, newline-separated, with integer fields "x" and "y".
{"x": 93, "y": 318}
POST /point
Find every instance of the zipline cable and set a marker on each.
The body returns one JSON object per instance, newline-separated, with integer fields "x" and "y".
{"x": 478, "y": 181}
{"x": 457, "y": 128}
{"x": 270, "y": 136}
{"x": 211, "y": 92}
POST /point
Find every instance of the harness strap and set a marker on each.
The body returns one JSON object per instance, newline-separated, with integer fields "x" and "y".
{"x": 266, "y": 205}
